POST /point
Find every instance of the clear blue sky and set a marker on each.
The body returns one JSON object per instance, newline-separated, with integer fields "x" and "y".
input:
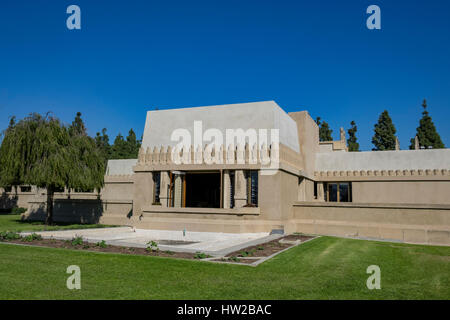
{"x": 131, "y": 56}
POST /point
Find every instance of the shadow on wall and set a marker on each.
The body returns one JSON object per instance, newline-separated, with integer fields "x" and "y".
{"x": 80, "y": 211}
{"x": 7, "y": 202}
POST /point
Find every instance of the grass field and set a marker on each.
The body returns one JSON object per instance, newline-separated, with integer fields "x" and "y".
{"x": 324, "y": 268}
{"x": 11, "y": 222}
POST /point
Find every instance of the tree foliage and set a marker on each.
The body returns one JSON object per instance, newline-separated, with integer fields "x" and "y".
{"x": 426, "y": 132}
{"x": 352, "y": 143}
{"x": 102, "y": 143}
{"x": 324, "y": 130}
{"x": 39, "y": 150}
{"x": 384, "y": 137}
{"x": 125, "y": 148}
{"x": 133, "y": 144}
{"x": 77, "y": 127}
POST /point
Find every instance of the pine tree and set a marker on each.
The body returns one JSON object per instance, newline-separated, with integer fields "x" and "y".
{"x": 133, "y": 145}
{"x": 352, "y": 143}
{"x": 77, "y": 127}
{"x": 119, "y": 150}
{"x": 40, "y": 151}
{"x": 384, "y": 137}
{"x": 102, "y": 143}
{"x": 125, "y": 149}
{"x": 324, "y": 130}
{"x": 426, "y": 132}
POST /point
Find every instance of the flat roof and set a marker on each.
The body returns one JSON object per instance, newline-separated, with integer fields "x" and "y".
{"x": 160, "y": 124}
{"x": 120, "y": 167}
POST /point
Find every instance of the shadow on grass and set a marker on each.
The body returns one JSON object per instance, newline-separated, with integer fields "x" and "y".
{"x": 16, "y": 224}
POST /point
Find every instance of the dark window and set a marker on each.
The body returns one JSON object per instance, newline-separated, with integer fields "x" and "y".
{"x": 157, "y": 186}
{"x": 332, "y": 192}
{"x": 315, "y": 190}
{"x": 25, "y": 189}
{"x": 231, "y": 189}
{"x": 252, "y": 188}
{"x": 8, "y": 189}
{"x": 343, "y": 192}
{"x": 338, "y": 192}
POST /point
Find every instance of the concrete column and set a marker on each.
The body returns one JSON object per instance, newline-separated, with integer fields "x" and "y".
{"x": 320, "y": 192}
{"x": 240, "y": 189}
{"x": 226, "y": 189}
{"x": 178, "y": 191}
{"x": 163, "y": 193}
{"x": 302, "y": 190}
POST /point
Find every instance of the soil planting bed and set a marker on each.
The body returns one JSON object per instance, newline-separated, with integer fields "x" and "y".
{"x": 86, "y": 246}
{"x": 250, "y": 255}
{"x": 269, "y": 248}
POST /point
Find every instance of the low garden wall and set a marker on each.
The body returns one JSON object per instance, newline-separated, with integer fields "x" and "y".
{"x": 428, "y": 224}
{"x": 82, "y": 211}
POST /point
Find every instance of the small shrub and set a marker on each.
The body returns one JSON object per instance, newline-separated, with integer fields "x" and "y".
{"x": 17, "y": 210}
{"x": 32, "y": 237}
{"x": 247, "y": 253}
{"x": 260, "y": 248}
{"x": 77, "y": 241}
{"x": 101, "y": 244}
{"x": 9, "y": 235}
{"x": 152, "y": 249}
{"x": 234, "y": 258}
{"x": 169, "y": 252}
{"x": 153, "y": 246}
{"x": 201, "y": 255}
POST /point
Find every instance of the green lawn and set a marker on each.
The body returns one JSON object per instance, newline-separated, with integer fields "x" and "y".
{"x": 11, "y": 222}
{"x": 324, "y": 268}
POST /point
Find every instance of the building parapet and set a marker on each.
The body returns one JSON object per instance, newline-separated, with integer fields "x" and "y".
{"x": 210, "y": 157}
{"x": 420, "y": 174}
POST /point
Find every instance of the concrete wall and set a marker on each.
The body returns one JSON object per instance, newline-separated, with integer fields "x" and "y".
{"x": 160, "y": 124}
{"x": 305, "y": 190}
{"x": 425, "y": 192}
{"x": 143, "y": 191}
{"x": 67, "y": 210}
{"x": 428, "y": 224}
{"x": 384, "y": 160}
{"x": 17, "y": 198}
{"x": 117, "y": 199}
{"x": 308, "y": 137}
{"x": 113, "y": 205}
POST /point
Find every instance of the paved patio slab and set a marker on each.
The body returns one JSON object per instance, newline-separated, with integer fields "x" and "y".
{"x": 212, "y": 243}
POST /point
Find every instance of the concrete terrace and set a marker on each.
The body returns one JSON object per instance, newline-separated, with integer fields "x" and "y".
{"x": 212, "y": 243}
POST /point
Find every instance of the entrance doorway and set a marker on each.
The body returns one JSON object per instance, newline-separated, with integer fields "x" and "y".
{"x": 203, "y": 189}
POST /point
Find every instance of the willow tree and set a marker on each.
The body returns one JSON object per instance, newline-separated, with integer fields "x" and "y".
{"x": 39, "y": 150}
